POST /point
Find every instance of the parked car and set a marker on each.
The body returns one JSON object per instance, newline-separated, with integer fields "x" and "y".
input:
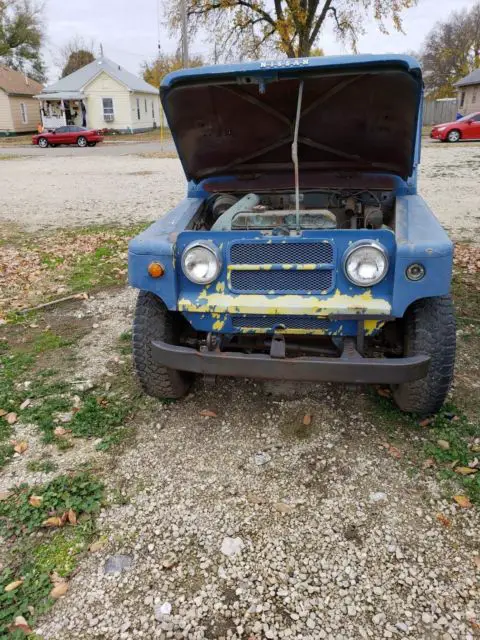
{"x": 302, "y": 250}
{"x": 69, "y": 134}
{"x": 466, "y": 128}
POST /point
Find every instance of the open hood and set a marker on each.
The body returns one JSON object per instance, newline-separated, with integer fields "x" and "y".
{"x": 359, "y": 113}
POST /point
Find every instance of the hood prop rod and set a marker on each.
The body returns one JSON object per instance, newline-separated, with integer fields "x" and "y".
{"x": 295, "y": 155}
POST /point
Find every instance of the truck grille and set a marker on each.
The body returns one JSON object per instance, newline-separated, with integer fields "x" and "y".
{"x": 255, "y": 321}
{"x": 278, "y": 280}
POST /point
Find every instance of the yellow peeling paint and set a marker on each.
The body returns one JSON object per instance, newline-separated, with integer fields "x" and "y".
{"x": 219, "y": 324}
{"x": 220, "y": 288}
{"x": 372, "y": 325}
{"x": 339, "y": 302}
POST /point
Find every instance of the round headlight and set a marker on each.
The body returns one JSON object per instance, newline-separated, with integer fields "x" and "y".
{"x": 366, "y": 264}
{"x": 201, "y": 262}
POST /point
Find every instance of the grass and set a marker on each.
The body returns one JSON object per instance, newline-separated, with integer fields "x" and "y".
{"x": 42, "y": 466}
{"x": 35, "y": 553}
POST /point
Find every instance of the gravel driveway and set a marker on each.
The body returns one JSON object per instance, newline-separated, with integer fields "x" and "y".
{"x": 120, "y": 186}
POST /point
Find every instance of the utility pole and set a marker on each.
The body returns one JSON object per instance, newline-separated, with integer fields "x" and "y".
{"x": 183, "y": 9}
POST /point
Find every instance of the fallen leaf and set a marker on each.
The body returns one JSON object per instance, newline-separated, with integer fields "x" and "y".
{"x": 59, "y": 591}
{"x": 476, "y": 561}
{"x": 283, "y": 507}
{"x": 307, "y": 419}
{"x": 11, "y": 417}
{"x": 253, "y": 498}
{"x": 20, "y": 624}
{"x": 465, "y": 471}
{"x": 429, "y": 462}
{"x": 54, "y": 521}
{"x": 57, "y": 579}
{"x": 393, "y": 451}
{"x": 4, "y": 495}
{"x": 35, "y": 501}
{"x": 443, "y": 519}
{"x": 61, "y": 431}
{"x": 384, "y": 393}
{"x": 443, "y": 444}
{"x": 208, "y": 413}
{"x": 3, "y": 412}
{"x": 13, "y": 585}
{"x": 25, "y": 404}
{"x": 72, "y": 516}
{"x": 96, "y": 546}
{"x": 20, "y": 447}
{"x": 463, "y": 501}
{"x": 425, "y": 422}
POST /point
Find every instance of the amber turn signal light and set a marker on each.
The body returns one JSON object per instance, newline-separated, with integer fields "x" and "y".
{"x": 156, "y": 270}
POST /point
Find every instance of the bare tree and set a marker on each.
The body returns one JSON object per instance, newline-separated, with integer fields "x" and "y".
{"x": 75, "y": 54}
{"x": 250, "y": 28}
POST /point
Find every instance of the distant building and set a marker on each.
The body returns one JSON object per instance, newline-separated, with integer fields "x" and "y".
{"x": 19, "y": 112}
{"x": 469, "y": 93}
{"x": 101, "y": 95}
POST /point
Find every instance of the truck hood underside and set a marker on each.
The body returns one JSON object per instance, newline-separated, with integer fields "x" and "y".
{"x": 351, "y": 120}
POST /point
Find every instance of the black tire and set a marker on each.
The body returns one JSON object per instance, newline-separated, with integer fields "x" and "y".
{"x": 53, "y": 145}
{"x": 82, "y": 141}
{"x": 153, "y": 321}
{"x": 43, "y": 143}
{"x": 454, "y": 135}
{"x": 91, "y": 144}
{"x": 429, "y": 328}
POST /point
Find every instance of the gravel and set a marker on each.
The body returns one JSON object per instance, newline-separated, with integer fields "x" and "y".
{"x": 123, "y": 189}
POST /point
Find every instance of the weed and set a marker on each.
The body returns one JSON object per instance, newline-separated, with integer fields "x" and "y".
{"x": 48, "y": 340}
{"x": 6, "y": 452}
{"x": 42, "y": 466}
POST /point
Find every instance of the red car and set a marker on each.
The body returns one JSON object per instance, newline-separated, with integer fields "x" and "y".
{"x": 466, "y": 128}
{"x": 69, "y": 134}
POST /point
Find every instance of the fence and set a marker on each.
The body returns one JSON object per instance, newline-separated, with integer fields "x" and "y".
{"x": 437, "y": 111}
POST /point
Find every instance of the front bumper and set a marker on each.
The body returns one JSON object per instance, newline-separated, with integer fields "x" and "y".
{"x": 351, "y": 367}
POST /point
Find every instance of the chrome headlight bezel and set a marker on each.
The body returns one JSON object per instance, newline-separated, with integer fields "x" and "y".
{"x": 362, "y": 244}
{"x": 210, "y": 247}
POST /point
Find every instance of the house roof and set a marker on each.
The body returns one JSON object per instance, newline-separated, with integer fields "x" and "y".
{"x": 17, "y": 83}
{"x": 77, "y": 80}
{"x": 472, "y": 78}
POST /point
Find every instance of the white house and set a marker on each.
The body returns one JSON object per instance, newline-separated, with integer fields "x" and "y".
{"x": 101, "y": 95}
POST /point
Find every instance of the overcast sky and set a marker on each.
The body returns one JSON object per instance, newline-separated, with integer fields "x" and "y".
{"x": 129, "y": 30}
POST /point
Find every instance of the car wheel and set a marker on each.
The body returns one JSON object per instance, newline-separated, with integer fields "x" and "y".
{"x": 54, "y": 145}
{"x": 429, "y": 329}
{"x": 43, "y": 143}
{"x": 91, "y": 144}
{"x": 82, "y": 141}
{"x": 153, "y": 321}
{"x": 454, "y": 135}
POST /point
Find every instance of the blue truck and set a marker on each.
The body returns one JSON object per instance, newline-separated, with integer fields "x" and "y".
{"x": 302, "y": 250}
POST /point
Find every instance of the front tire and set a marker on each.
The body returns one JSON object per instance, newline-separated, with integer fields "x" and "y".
{"x": 153, "y": 321}
{"x": 454, "y": 135}
{"x": 429, "y": 328}
{"x": 82, "y": 141}
{"x": 43, "y": 143}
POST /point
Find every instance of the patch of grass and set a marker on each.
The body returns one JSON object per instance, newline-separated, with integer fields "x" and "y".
{"x": 126, "y": 343}
{"x": 48, "y": 340}
{"x": 34, "y": 559}
{"x": 42, "y": 466}
{"x": 6, "y": 452}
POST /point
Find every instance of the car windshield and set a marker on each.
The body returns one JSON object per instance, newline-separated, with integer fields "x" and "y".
{"x": 471, "y": 116}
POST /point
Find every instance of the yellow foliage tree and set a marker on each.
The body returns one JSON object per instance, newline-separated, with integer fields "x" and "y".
{"x": 154, "y": 71}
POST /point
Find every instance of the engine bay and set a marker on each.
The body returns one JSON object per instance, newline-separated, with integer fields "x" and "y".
{"x": 276, "y": 213}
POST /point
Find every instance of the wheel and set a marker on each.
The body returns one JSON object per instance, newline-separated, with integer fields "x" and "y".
{"x": 54, "y": 145}
{"x": 91, "y": 144}
{"x": 429, "y": 328}
{"x": 153, "y": 321}
{"x": 82, "y": 141}
{"x": 43, "y": 142}
{"x": 453, "y": 135}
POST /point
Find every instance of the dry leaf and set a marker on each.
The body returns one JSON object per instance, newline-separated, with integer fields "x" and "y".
{"x": 72, "y": 516}
{"x": 443, "y": 444}
{"x": 56, "y": 579}
{"x": 13, "y": 585}
{"x": 11, "y": 417}
{"x": 54, "y": 521}
{"x": 393, "y": 451}
{"x": 463, "y": 501}
{"x": 4, "y": 495}
{"x": 208, "y": 413}
{"x": 20, "y": 624}
{"x": 61, "y": 431}
{"x": 35, "y": 501}
{"x": 425, "y": 422}
{"x": 97, "y": 545}
{"x": 476, "y": 561}
{"x": 25, "y": 404}
{"x": 385, "y": 393}
{"x": 307, "y": 419}
{"x": 59, "y": 590}
{"x": 3, "y": 412}
{"x": 465, "y": 471}
{"x": 429, "y": 462}
{"x": 20, "y": 447}
{"x": 283, "y": 507}
{"x": 443, "y": 519}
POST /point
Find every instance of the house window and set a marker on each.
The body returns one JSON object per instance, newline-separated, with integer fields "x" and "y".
{"x": 462, "y": 99}
{"x": 24, "y": 112}
{"x": 474, "y": 96}
{"x": 138, "y": 108}
{"x": 107, "y": 104}
{"x": 146, "y": 110}
{"x": 153, "y": 111}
